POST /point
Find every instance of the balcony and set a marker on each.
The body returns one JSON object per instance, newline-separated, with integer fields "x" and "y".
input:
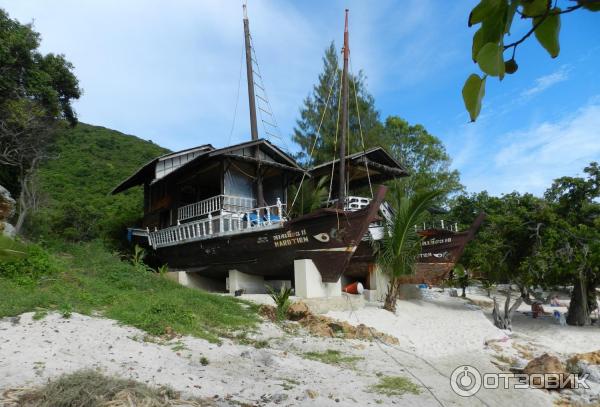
{"x": 213, "y": 204}
{"x": 234, "y": 218}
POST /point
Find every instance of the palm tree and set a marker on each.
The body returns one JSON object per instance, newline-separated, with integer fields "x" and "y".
{"x": 312, "y": 196}
{"x": 398, "y": 250}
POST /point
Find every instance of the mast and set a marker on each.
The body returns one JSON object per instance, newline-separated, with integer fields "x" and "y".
{"x": 250, "y": 76}
{"x": 252, "y": 103}
{"x": 344, "y": 119}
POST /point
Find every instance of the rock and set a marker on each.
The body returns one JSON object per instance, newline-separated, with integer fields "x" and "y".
{"x": 313, "y": 394}
{"x": 7, "y": 210}
{"x": 590, "y": 357}
{"x": 548, "y": 365}
{"x": 298, "y": 311}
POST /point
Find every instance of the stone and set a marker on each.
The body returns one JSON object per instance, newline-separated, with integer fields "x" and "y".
{"x": 548, "y": 365}
{"x": 298, "y": 311}
{"x": 313, "y": 394}
{"x": 7, "y": 210}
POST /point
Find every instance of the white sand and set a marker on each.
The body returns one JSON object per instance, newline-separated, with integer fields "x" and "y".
{"x": 436, "y": 336}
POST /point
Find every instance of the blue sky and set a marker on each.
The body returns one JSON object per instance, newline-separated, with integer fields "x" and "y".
{"x": 168, "y": 71}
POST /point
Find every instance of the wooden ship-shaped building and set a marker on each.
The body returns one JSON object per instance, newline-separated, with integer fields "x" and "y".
{"x": 213, "y": 211}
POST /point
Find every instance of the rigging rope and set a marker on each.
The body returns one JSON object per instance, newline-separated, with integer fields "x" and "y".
{"x": 312, "y": 150}
{"x": 265, "y": 100}
{"x": 237, "y": 99}
{"x": 362, "y": 139}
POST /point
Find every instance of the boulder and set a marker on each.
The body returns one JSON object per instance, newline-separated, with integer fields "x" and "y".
{"x": 549, "y": 366}
{"x": 298, "y": 311}
{"x": 7, "y": 210}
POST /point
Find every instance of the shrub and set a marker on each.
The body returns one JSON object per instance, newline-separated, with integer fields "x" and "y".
{"x": 29, "y": 267}
{"x": 282, "y": 300}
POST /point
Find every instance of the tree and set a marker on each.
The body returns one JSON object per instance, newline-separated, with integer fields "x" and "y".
{"x": 315, "y": 131}
{"x": 574, "y": 239}
{"x": 398, "y": 250}
{"x": 423, "y": 154}
{"x": 495, "y": 55}
{"x": 540, "y": 242}
{"x": 36, "y": 91}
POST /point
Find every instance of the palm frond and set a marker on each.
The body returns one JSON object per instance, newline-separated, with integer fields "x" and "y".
{"x": 401, "y": 243}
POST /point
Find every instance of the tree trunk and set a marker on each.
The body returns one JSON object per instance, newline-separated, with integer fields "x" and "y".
{"x": 579, "y": 309}
{"x": 23, "y": 207}
{"x": 505, "y": 321}
{"x": 392, "y": 296}
{"x": 464, "y": 294}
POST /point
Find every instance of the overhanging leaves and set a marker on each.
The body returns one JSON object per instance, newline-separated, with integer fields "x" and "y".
{"x": 490, "y": 59}
{"x": 473, "y": 92}
{"x": 547, "y": 32}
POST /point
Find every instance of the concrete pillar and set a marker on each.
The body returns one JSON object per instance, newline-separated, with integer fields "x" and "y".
{"x": 247, "y": 282}
{"x": 309, "y": 284}
{"x": 378, "y": 283}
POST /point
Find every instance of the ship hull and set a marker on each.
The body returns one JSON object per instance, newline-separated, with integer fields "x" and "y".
{"x": 327, "y": 236}
{"x": 440, "y": 251}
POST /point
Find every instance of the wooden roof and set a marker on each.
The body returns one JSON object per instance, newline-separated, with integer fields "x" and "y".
{"x": 273, "y": 156}
{"x": 380, "y": 164}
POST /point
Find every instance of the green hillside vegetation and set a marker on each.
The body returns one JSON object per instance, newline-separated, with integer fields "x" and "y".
{"x": 87, "y": 163}
{"x": 87, "y": 278}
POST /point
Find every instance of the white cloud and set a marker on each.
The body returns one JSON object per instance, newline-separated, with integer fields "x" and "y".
{"x": 529, "y": 160}
{"x": 544, "y": 82}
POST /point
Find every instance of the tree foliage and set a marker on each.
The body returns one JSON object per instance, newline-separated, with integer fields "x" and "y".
{"x": 422, "y": 153}
{"x": 75, "y": 186}
{"x": 494, "y": 54}
{"x": 36, "y": 91}
{"x": 320, "y": 111}
{"x": 540, "y": 242}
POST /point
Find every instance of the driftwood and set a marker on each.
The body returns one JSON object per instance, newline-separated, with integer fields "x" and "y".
{"x": 505, "y": 321}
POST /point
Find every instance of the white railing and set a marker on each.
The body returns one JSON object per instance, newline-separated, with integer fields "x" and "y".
{"x": 437, "y": 225}
{"x": 267, "y": 217}
{"x": 216, "y": 203}
{"x": 352, "y": 203}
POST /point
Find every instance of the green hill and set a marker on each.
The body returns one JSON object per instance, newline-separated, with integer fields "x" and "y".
{"x": 88, "y": 162}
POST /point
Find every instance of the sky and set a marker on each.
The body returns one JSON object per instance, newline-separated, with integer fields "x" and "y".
{"x": 169, "y": 71}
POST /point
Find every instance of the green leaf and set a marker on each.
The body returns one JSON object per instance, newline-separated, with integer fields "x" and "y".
{"x": 510, "y": 15}
{"x": 589, "y": 6}
{"x": 478, "y": 41}
{"x": 547, "y": 32}
{"x": 532, "y": 8}
{"x": 484, "y": 9}
{"x": 490, "y": 59}
{"x": 473, "y": 93}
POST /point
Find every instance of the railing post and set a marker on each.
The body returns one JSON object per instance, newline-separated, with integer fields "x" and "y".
{"x": 221, "y": 222}
{"x": 268, "y": 215}
{"x": 456, "y": 226}
{"x": 442, "y": 223}
{"x": 248, "y": 224}
{"x": 210, "y": 228}
{"x": 279, "y": 209}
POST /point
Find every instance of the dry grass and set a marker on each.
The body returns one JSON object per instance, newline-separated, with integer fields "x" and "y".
{"x": 88, "y": 388}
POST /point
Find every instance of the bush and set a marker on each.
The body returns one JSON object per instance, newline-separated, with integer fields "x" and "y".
{"x": 28, "y": 268}
{"x": 282, "y": 300}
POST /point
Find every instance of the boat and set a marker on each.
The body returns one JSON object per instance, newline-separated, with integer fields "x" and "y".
{"x": 212, "y": 210}
{"x": 442, "y": 245}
